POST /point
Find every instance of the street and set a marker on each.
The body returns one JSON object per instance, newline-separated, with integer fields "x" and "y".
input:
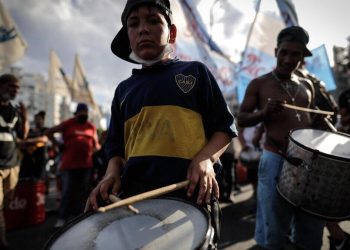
{"x": 236, "y": 233}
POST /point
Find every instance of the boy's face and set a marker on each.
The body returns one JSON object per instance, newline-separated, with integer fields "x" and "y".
{"x": 148, "y": 31}
{"x": 289, "y": 56}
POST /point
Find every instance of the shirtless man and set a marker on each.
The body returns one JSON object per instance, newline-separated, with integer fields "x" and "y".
{"x": 263, "y": 103}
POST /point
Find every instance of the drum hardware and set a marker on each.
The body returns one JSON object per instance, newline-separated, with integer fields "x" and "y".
{"x": 297, "y": 162}
{"x": 321, "y": 187}
{"x": 145, "y": 195}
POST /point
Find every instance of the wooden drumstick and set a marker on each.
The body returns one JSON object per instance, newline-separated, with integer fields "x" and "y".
{"x": 322, "y": 112}
{"x": 330, "y": 125}
{"x": 115, "y": 199}
{"x": 144, "y": 196}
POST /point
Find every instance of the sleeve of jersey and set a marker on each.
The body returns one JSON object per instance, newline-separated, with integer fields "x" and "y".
{"x": 217, "y": 116}
{"x": 114, "y": 145}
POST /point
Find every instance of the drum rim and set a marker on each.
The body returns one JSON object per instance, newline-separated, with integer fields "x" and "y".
{"x": 320, "y": 216}
{"x": 314, "y": 150}
{"x": 83, "y": 216}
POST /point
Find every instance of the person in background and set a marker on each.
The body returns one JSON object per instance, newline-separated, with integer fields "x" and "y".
{"x": 250, "y": 140}
{"x": 264, "y": 103}
{"x": 169, "y": 120}
{"x": 338, "y": 239}
{"x": 226, "y": 179}
{"x": 14, "y": 127}
{"x": 344, "y": 111}
{"x": 323, "y": 99}
{"x": 99, "y": 161}
{"x": 79, "y": 143}
{"x": 34, "y": 150}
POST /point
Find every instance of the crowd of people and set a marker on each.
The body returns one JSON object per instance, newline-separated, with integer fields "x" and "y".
{"x": 170, "y": 123}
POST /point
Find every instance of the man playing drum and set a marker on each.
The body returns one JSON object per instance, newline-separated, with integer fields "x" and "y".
{"x": 169, "y": 120}
{"x": 264, "y": 102}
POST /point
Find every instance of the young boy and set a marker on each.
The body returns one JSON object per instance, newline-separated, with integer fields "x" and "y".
{"x": 169, "y": 119}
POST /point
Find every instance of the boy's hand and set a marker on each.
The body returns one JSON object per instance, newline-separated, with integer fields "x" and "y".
{"x": 201, "y": 172}
{"x": 108, "y": 184}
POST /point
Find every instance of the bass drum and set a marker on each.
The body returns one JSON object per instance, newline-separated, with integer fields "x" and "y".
{"x": 316, "y": 173}
{"x": 164, "y": 223}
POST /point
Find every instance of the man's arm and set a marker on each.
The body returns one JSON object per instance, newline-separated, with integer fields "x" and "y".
{"x": 246, "y": 116}
{"x": 24, "y": 121}
{"x": 51, "y": 131}
{"x": 97, "y": 145}
{"x": 250, "y": 113}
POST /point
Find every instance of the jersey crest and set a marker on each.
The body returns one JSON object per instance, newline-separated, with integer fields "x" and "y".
{"x": 185, "y": 83}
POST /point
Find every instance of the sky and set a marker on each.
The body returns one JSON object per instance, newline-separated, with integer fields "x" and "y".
{"x": 87, "y": 27}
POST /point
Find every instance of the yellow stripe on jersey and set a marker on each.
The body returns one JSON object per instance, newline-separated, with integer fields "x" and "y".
{"x": 164, "y": 131}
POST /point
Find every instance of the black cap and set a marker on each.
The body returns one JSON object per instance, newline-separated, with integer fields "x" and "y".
{"x": 295, "y": 34}
{"x": 82, "y": 106}
{"x": 121, "y": 45}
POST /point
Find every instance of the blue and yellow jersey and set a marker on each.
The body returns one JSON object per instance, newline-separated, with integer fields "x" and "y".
{"x": 162, "y": 117}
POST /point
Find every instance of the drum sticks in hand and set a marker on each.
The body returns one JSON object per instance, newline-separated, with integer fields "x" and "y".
{"x": 144, "y": 196}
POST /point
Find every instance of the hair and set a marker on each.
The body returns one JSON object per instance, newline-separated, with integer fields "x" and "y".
{"x": 41, "y": 114}
{"x": 8, "y": 78}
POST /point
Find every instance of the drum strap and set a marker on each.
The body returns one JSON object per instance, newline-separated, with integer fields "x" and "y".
{"x": 292, "y": 160}
{"x": 278, "y": 147}
{"x": 215, "y": 215}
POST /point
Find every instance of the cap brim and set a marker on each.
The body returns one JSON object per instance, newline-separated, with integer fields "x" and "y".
{"x": 307, "y": 52}
{"x": 120, "y": 45}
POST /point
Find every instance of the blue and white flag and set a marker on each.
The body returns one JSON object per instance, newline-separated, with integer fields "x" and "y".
{"x": 194, "y": 43}
{"x": 288, "y": 12}
{"x": 223, "y": 25}
{"x": 259, "y": 55}
{"x": 318, "y": 64}
{"x": 12, "y": 45}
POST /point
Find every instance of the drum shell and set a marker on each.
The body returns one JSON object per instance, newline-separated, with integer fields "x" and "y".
{"x": 321, "y": 187}
{"x": 27, "y": 207}
{"x": 97, "y": 222}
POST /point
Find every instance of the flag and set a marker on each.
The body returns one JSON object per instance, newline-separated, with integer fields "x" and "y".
{"x": 258, "y": 57}
{"x": 12, "y": 45}
{"x": 194, "y": 43}
{"x": 288, "y": 12}
{"x": 80, "y": 86}
{"x": 58, "y": 97}
{"x": 318, "y": 64}
{"x": 222, "y": 24}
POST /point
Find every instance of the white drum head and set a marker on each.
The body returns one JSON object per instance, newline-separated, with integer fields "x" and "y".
{"x": 160, "y": 224}
{"x": 330, "y": 143}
